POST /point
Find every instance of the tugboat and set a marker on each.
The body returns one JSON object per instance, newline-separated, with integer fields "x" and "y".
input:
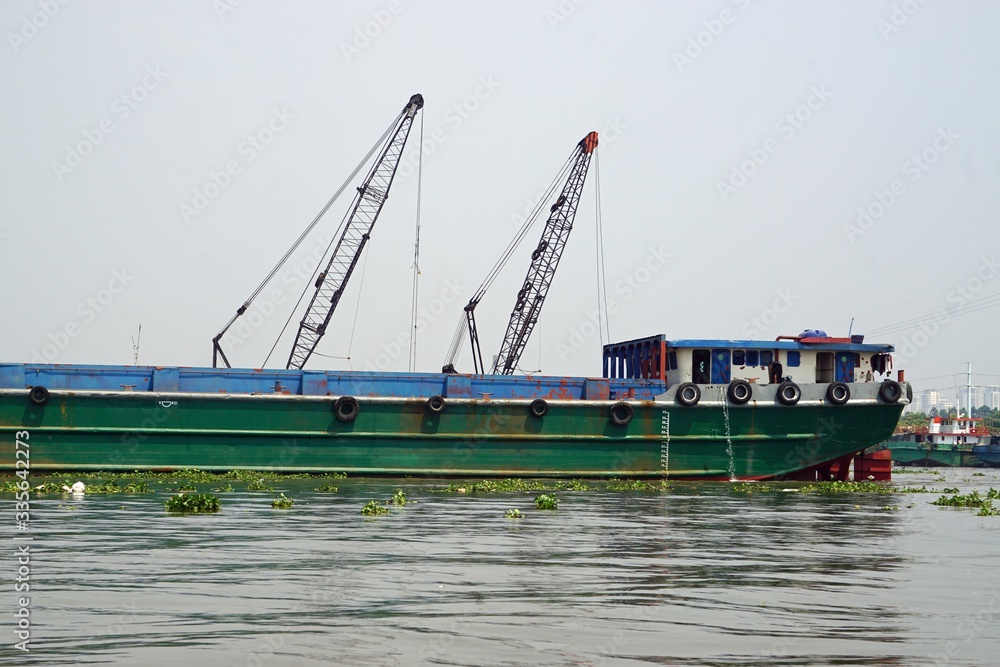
{"x": 945, "y": 441}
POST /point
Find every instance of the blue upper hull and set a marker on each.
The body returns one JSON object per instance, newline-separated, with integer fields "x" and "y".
{"x": 320, "y": 383}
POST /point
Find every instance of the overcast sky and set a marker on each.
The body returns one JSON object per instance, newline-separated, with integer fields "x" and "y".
{"x": 765, "y": 167}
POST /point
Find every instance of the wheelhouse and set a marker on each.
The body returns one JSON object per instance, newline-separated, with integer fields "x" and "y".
{"x": 803, "y": 359}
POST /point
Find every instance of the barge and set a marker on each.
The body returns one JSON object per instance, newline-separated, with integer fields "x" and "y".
{"x": 680, "y": 409}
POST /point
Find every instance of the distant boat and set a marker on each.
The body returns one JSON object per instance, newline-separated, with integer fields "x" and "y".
{"x": 945, "y": 441}
{"x": 989, "y": 453}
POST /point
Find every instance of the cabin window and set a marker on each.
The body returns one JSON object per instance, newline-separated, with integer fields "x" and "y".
{"x": 672, "y": 360}
{"x": 739, "y": 358}
{"x": 824, "y": 367}
{"x": 752, "y": 358}
{"x": 794, "y": 358}
{"x": 701, "y": 366}
{"x": 766, "y": 358}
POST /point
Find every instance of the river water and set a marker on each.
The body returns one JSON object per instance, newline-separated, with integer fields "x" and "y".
{"x": 699, "y": 575}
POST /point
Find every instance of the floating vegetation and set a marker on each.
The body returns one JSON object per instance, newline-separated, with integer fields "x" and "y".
{"x": 516, "y": 484}
{"x": 513, "y": 514}
{"x": 111, "y": 487}
{"x": 326, "y": 488}
{"x": 195, "y": 475}
{"x": 259, "y": 485}
{"x": 188, "y": 488}
{"x": 45, "y": 487}
{"x": 492, "y": 486}
{"x": 987, "y": 509}
{"x": 398, "y": 498}
{"x": 282, "y": 502}
{"x": 922, "y": 489}
{"x": 635, "y": 485}
{"x": 546, "y": 502}
{"x": 834, "y": 487}
{"x": 374, "y": 509}
{"x": 136, "y": 487}
{"x": 573, "y": 485}
{"x": 847, "y": 487}
{"x": 890, "y": 508}
{"x": 979, "y": 474}
{"x": 225, "y": 488}
{"x": 196, "y": 503}
{"x": 975, "y": 499}
{"x": 753, "y": 487}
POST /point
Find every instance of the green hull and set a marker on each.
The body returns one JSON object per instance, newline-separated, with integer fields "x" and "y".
{"x": 905, "y": 454}
{"x": 397, "y": 436}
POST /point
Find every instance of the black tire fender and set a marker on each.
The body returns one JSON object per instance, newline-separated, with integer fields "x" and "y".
{"x": 435, "y": 404}
{"x": 688, "y": 394}
{"x": 38, "y": 395}
{"x": 789, "y": 393}
{"x": 346, "y": 409}
{"x": 739, "y": 392}
{"x": 538, "y": 407}
{"x": 621, "y": 413}
{"x": 838, "y": 393}
{"x": 890, "y": 391}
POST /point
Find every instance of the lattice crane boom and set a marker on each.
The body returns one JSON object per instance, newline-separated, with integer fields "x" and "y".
{"x": 544, "y": 261}
{"x": 368, "y": 202}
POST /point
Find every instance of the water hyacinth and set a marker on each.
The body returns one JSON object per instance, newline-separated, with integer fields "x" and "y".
{"x": 374, "y": 509}
{"x": 194, "y": 503}
{"x": 546, "y": 502}
{"x": 282, "y": 502}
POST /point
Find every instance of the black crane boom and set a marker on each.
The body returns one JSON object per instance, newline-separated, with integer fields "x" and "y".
{"x": 368, "y": 203}
{"x": 544, "y": 261}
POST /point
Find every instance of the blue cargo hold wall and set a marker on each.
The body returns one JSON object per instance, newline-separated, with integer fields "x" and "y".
{"x": 320, "y": 383}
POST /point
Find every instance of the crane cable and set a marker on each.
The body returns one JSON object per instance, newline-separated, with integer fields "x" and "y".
{"x": 524, "y": 229}
{"x": 375, "y": 148}
{"x": 416, "y": 252}
{"x": 602, "y": 284}
{"x": 309, "y": 228}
